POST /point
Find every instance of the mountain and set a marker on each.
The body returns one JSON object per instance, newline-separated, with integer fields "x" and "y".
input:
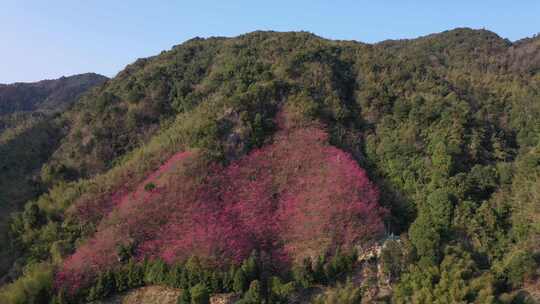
{"x": 29, "y": 133}
{"x": 46, "y": 95}
{"x": 524, "y": 55}
{"x": 290, "y": 168}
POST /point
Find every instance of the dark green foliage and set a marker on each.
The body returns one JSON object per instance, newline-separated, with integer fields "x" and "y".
{"x": 432, "y": 226}
{"x": 250, "y": 267}
{"x": 279, "y": 291}
{"x": 121, "y": 281}
{"x": 457, "y": 279}
{"x": 339, "y": 266}
{"x": 216, "y": 282}
{"x": 155, "y": 272}
{"x": 325, "y": 270}
{"x": 124, "y": 252}
{"x": 185, "y": 297}
{"x": 199, "y": 294}
{"x": 34, "y": 288}
{"x": 426, "y": 239}
{"x": 253, "y": 295}
{"x": 135, "y": 274}
{"x": 519, "y": 266}
{"x": 303, "y": 273}
{"x": 392, "y": 259}
{"x": 241, "y": 282}
{"x": 30, "y": 132}
{"x": 59, "y": 298}
{"x": 105, "y": 286}
{"x": 318, "y": 270}
{"x": 228, "y": 278}
{"x": 174, "y": 276}
{"x": 149, "y": 187}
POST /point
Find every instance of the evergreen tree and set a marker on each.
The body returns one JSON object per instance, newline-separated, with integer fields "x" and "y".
{"x": 156, "y": 272}
{"x": 121, "y": 280}
{"x": 303, "y": 274}
{"x": 185, "y": 297}
{"x": 174, "y": 277}
{"x": 254, "y": 294}
{"x": 319, "y": 275}
{"x": 240, "y": 283}
{"x": 250, "y": 267}
{"x": 228, "y": 279}
{"x": 200, "y": 294}
{"x": 194, "y": 270}
{"x": 185, "y": 282}
{"x": 216, "y": 282}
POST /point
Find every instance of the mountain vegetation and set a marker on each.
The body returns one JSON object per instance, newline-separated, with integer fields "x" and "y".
{"x": 266, "y": 164}
{"x": 30, "y": 130}
{"x": 46, "y": 95}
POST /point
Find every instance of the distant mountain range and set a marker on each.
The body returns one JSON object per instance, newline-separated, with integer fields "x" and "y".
{"x": 46, "y": 95}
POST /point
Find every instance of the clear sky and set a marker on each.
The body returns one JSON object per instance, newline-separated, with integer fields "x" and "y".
{"x": 43, "y": 39}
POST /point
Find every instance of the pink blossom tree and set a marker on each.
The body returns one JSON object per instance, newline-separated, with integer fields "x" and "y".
{"x": 294, "y": 198}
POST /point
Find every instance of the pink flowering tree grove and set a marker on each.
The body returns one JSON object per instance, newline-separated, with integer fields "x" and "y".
{"x": 293, "y": 198}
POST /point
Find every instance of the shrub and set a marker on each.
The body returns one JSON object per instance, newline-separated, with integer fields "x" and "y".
{"x": 199, "y": 294}
{"x": 185, "y": 297}
{"x": 241, "y": 282}
{"x": 392, "y": 259}
{"x": 303, "y": 273}
{"x": 519, "y": 265}
{"x": 35, "y": 287}
{"x": 253, "y": 295}
{"x": 342, "y": 294}
{"x": 279, "y": 291}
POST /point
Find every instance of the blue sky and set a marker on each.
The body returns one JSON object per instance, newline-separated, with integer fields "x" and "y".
{"x": 47, "y": 39}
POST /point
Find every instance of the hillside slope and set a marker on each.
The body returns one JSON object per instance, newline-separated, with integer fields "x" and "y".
{"x": 257, "y": 164}
{"x": 29, "y": 134}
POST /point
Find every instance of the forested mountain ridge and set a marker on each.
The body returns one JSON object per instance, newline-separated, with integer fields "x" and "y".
{"x": 29, "y": 133}
{"x": 46, "y": 95}
{"x": 199, "y": 169}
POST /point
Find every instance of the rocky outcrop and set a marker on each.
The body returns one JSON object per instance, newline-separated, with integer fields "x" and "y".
{"x": 162, "y": 295}
{"x": 224, "y": 298}
{"x": 145, "y": 295}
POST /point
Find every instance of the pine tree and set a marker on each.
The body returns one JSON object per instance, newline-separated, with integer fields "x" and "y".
{"x": 195, "y": 270}
{"x": 59, "y": 298}
{"x": 216, "y": 282}
{"x": 240, "y": 281}
{"x": 184, "y": 279}
{"x": 228, "y": 279}
{"x": 109, "y": 286}
{"x": 185, "y": 297}
{"x": 303, "y": 274}
{"x": 200, "y": 294}
{"x": 174, "y": 277}
{"x": 319, "y": 275}
{"x": 253, "y": 295}
{"x": 250, "y": 266}
{"x": 134, "y": 274}
{"x": 121, "y": 280}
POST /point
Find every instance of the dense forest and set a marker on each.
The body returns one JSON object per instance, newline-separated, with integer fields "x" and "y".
{"x": 284, "y": 168}
{"x": 29, "y": 134}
